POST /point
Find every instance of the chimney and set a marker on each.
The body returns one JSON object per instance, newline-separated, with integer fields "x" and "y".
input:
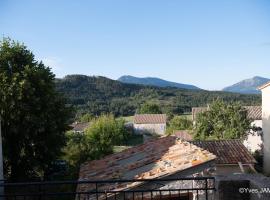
{"x": 266, "y": 126}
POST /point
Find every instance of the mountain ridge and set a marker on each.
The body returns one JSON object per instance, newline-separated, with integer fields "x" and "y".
{"x": 247, "y": 86}
{"x": 154, "y": 81}
{"x": 99, "y": 95}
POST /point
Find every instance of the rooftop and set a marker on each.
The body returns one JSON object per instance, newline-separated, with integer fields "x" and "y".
{"x": 154, "y": 159}
{"x": 80, "y": 126}
{"x": 150, "y": 119}
{"x": 227, "y": 151}
{"x": 253, "y": 112}
{"x": 264, "y": 86}
{"x": 184, "y": 135}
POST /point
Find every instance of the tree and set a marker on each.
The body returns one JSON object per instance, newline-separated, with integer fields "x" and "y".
{"x": 222, "y": 121}
{"x": 97, "y": 141}
{"x": 86, "y": 117}
{"x": 150, "y": 108}
{"x": 104, "y": 133}
{"x": 179, "y": 123}
{"x": 34, "y": 115}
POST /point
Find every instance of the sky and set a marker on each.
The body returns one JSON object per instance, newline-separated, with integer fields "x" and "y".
{"x": 209, "y": 43}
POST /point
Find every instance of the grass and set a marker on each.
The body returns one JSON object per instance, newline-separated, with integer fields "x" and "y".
{"x": 188, "y": 116}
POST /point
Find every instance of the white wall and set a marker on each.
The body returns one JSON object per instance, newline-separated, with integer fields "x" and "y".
{"x": 254, "y": 141}
{"x": 266, "y": 127}
{"x": 151, "y": 128}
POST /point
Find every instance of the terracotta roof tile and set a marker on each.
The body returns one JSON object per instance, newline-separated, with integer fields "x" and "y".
{"x": 81, "y": 126}
{"x": 254, "y": 112}
{"x": 184, "y": 135}
{"x": 150, "y": 119}
{"x": 154, "y": 159}
{"x": 227, "y": 151}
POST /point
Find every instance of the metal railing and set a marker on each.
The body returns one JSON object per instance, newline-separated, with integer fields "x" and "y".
{"x": 201, "y": 188}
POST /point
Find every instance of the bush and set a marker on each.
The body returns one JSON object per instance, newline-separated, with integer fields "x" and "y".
{"x": 179, "y": 123}
{"x": 97, "y": 141}
{"x": 222, "y": 121}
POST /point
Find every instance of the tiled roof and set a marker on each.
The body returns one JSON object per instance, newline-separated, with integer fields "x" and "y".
{"x": 227, "y": 151}
{"x": 155, "y": 158}
{"x": 150, "y": 119}
{"x": 80, "y": 126}
{"x": 254, "y": 112}
{"x": 184, "y": 135}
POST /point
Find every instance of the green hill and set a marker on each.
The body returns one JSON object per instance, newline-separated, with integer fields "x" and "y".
{"x": 98, "y": 95}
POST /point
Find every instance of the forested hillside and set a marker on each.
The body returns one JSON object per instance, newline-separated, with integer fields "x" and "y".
{"x": 98, "y": 95}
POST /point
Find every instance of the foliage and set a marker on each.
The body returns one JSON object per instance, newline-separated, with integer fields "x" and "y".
{"x": 97, "y": 141}
{"x": 99, "y": 95}
{"x": 104, "y": 133}
{"x": 222, "y": 121}
{"x": 179, "y": 123}
{"x": 86, "y": 117}
{"x": 77, "y": 150}
{"x": 34, "y": 116}
{"x": 149, "y": 108}
{"x": 258, "y": 155}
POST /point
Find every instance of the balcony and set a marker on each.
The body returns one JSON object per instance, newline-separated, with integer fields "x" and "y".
{"x": 199, "y": 188}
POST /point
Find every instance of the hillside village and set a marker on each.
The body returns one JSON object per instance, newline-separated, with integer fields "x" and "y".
{"x": 161, "y": 151}
{"x": 134, "y": 100}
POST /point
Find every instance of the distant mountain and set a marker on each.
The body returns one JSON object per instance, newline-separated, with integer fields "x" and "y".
{"x": 97, "y": 95}
{"x": 247, "y": 86}
{"x": 152, "y": 81}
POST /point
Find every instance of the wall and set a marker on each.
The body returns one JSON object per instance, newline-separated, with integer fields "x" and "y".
{"x": 253, "y": 142}
{"x": 151, "y": 128}
{"x": 266, "y": 127}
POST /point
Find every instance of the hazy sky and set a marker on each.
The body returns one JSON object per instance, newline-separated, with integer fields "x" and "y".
{"x": 208, "y": 43}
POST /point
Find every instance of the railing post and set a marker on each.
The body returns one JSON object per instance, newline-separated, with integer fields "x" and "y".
{"x": 206, "y": 188}
{"x": 96, "y": 190}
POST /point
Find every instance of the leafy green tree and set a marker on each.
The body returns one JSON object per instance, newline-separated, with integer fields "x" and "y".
{"x": 34, "y": 116}
{"x": 179, "y": 123}
{"x": 150, "y": 108}
{"x": 86, "y": 117}
{"x": 97, "y": 141}
{"x": 104, "y": 133}
{"x": 77, "y": 150}
{"x": 222, "y": 121}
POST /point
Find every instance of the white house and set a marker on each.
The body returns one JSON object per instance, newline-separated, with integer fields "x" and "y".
{"x": 150, "y": 123}
{"x": 266, "y": 125}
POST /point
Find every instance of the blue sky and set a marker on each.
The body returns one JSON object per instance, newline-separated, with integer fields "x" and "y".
{"x": 210, "y": 43}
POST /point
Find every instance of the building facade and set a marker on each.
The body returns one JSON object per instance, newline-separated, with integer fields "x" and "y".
{"x": 266, "y": 126}
{"x": 150, "y": 124}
